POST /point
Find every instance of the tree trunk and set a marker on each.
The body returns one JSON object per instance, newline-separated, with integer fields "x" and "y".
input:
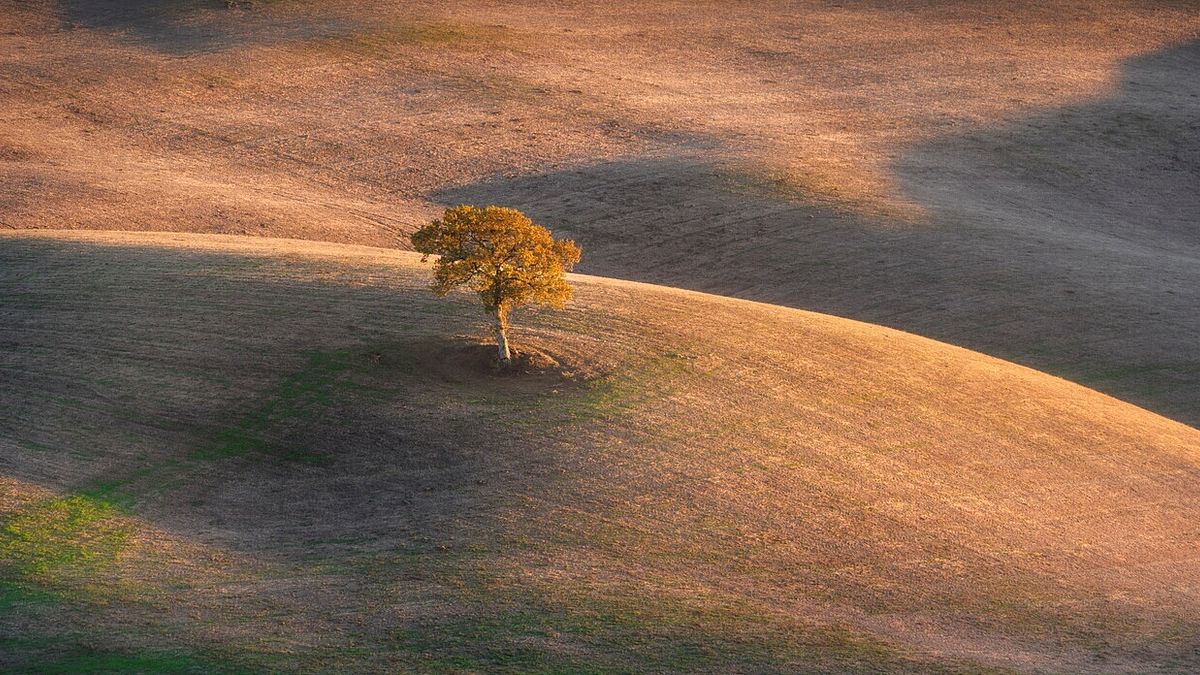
{"x": 502, "y": 337}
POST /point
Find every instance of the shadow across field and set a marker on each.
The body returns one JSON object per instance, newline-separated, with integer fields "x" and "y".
{"x": 289, "y": 455}
{"x": 335, "y": 443}
{"x": 191, "y": 27}
{"x": 331, "y": 475}
{"x": 1067, "y": 240}
{"x": 330, "y": 400}
{"x": 1122, "y": 168}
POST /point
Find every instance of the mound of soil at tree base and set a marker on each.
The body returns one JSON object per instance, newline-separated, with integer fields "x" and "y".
{"x": 483, "y": 358}
{"x": 467, "y": 358}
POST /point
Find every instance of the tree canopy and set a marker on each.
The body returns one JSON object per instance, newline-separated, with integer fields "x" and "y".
{"x": 502, "y": 255}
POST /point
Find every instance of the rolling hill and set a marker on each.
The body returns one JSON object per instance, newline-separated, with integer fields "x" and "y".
{"x": 226, "y": 453}
{"x": 1016, "y": 178}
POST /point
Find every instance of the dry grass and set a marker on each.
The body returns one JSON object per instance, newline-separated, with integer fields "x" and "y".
{"x": 1015, "y": 178}
{"x": 274, "y": 454}
{"x": 220, "y": 453}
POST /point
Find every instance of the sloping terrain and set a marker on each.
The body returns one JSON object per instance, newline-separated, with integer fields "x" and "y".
{"x": 226, "y": 453}
{"x": 1017, "y": 178}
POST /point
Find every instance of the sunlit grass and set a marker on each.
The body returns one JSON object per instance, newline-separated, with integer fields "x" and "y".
{"x": 62, "y": 536}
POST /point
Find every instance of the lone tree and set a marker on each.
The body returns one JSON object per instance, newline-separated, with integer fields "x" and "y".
{"x": 503, "y": 256}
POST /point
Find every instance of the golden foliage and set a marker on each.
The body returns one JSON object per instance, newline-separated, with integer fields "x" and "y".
{"x": 502, "y": 255}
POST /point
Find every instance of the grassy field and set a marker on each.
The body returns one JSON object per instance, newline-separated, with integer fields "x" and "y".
{"x": 1016, "y": 178}
{"x": 234, "y": 454}
{"x": 226, "y": 451}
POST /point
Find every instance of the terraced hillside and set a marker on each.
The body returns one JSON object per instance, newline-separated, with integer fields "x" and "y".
{"x": 231, "y": 453}
{"x": 1018, "y": 178}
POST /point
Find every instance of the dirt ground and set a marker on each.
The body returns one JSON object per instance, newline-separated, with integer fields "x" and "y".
{"x": 1017, "y": 178}
{"x": 224, "y": 453}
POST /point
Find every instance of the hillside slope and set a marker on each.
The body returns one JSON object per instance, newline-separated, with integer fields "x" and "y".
{"x": 221, "y": 452}
{"x": 1016, "y": 178}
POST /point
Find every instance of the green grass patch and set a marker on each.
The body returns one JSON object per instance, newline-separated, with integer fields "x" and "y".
{"x": 15, "y": 595}
{"x": 301, "y": 395}
{"x": 124, "y": 492}
{"x": 62, "y": 536}
{"x": 619, "y": 392}
{"x": 111, "y": 492}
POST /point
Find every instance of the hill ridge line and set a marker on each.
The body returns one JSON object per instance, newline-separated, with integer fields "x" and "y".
{"x": 270, "y": 245}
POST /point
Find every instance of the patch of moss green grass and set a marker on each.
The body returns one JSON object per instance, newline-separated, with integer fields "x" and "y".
{"x": 300, "y": 395}
{"x": 62, "y": 536}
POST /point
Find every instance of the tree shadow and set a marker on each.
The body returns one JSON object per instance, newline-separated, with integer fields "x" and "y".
{"x": 329, "y": 402}
{"x": 347, "y": 433}
{"x": 1067, "y": 240}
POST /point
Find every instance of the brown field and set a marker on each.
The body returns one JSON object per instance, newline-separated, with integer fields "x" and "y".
{"x": 222, "y": 452}
{"x": 1018, "y": 178}
{"x": 276, "y": 454}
